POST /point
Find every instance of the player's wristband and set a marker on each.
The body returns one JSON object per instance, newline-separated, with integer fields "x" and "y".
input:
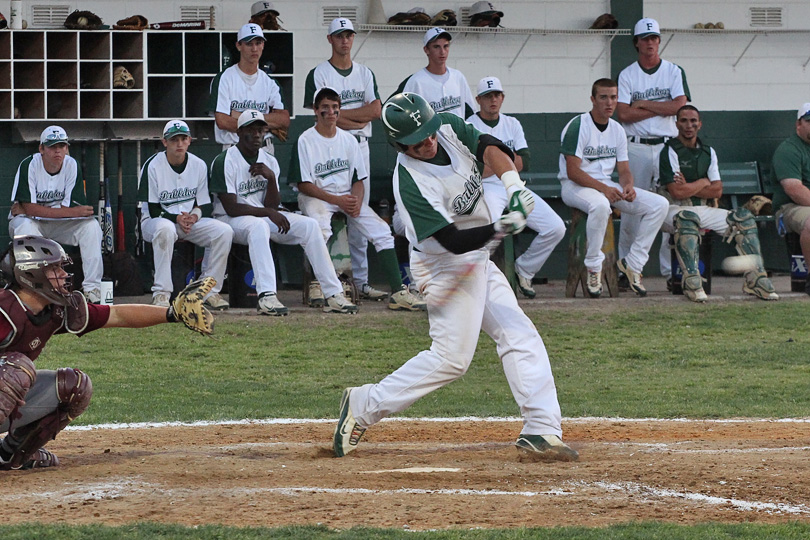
{"x": 197, "y": 212}
{"x": 511, "y": 181}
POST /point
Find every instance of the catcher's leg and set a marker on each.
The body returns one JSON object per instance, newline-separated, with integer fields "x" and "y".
{"x": 17, "y": 374}
{"x": 742, "y": 228}
{"x": 24, "y": 444}
{"x": 687, "y": 242}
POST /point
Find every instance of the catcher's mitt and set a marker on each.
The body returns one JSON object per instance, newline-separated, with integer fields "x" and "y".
{"x": 446, "y": 17}
{"x": 490, "y": 19}
{"x": 759, "y": 205}
{"x": 83, "y": 20}
{"x": 17, "y": 374}
{"x": 267, "y": 20}
{"x": 605, "y": 21}
{"x": 188, "y": 307}
{"x": 136, "y": 22}
{"x": 410, "y": 18}
{"x": 280, "y": 133}
{"x": 122, "y": 78}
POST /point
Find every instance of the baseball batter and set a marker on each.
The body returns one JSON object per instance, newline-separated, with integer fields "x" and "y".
{"x": 593, "y": 145}
{"x": 650, "y": 93}
{"x": 327, "y": 169}
{"x": 543, "y": 220}
{"x": 49, "y": 200}
{"x": 244, "y": 86}
{"x": 437, "y": 184}
{"x": 36, "y": 404}
{"x": 245, "y": 183}
{"x": 690, "y": 176}
{"x": 174, "y": 186}
{"x": 360, "y": 104}
{"x": 445, "y": 88}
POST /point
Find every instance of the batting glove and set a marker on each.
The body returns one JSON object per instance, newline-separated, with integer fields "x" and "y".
{"x": 521, "y": 200}
{"x": 511, "y": 223}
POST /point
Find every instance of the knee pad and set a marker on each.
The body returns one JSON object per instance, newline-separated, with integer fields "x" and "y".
{"x": 17, "y": 375}
{"x": 74, "y": 390}
{"x": 687, "y": 242}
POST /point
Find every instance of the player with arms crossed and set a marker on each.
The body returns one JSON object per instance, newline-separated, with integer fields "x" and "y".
{"x": 49, "y": 200}
{"x": 359, "y": 105}
{"x": 689, "y": 176}
{"x": 327, "y": 169}
{"x": 244, "y": 180}
{"x": 174, "y": 185}
{"x": 437, "y": 183}
{"x": 244, "y": 86}
{"x": 593, "y": 145}
{"x": 543, "y": 220}
{"x": 35, "y": 404}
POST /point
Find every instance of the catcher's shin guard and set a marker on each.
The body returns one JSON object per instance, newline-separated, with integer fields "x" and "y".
{"x": 17, "y": 375}
{"x": 74, "y": 389}
{"x": 742, "y": 229}
{"x": 687, "y": 244}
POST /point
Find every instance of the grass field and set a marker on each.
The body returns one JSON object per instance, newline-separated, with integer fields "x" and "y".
{"x": 720, "y": 360}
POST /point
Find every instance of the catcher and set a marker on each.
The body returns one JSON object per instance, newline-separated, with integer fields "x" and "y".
{"x": 39, "y": 301}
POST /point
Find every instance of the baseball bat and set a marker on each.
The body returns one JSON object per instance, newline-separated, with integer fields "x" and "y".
{"x": 467, "y": 270}
{"x": 120, "y": 242}
{"x": 178, "y": 25}
{"x": 104, "y": 208}
{"x": 140, "y": 248}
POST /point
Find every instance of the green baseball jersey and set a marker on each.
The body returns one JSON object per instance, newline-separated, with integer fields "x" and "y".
{"x": 693, "y": 163}
{"x": 791, "y": 160}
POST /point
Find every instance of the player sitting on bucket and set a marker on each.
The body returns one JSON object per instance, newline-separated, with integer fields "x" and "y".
{"x": 689, "y": 175}
{"x": 437, "y": 185}
{"x": 35, "y": 404}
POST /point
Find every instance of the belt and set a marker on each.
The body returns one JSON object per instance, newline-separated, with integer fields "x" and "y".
{"x": 651, "y": 141}
{"x": 360, "y": 138}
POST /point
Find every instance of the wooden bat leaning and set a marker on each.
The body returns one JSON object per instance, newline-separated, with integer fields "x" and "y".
{"x": 104, "y": 208}
{"x": 140, "y": 248}
{"x": 467, "y": 271}
{"x": 120, "y": 242}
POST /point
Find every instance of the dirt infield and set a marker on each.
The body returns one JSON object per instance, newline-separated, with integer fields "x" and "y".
{"x": 420, "y": 475}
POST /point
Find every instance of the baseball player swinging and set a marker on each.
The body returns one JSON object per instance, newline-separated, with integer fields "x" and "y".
{"x": 35, "y": 405}
{"x": 437, "y": 185}
{"x": 548, "y": 225}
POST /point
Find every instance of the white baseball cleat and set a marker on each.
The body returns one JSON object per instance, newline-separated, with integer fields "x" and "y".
{"x": 403, "y": 299}
{"x": 633, "y": 277}
{"x": 316, "y": 298}
{"x": 525, "y": 286}
{"x": 347, "y": 431}
{"x": 339, "y": 304}
{"x": 269, "y": 305}
{"x": 370, "y": 293}
{"x": 594, "y": 284}
{"x": 160, "y": 299}
{"x": 216, "y": 302}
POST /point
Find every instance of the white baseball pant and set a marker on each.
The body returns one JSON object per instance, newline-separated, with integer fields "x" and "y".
{"x": 650, "y": 208}
{"x": 85, "y": 233}
{"x": 211, "y": 234}
{"x": 368, "y": 223}
{"x": 643, "y": 161}
{"x": 484, "y": 301}
{"x": 543, "y": 220}
{"x": 258, "y": 232}
{"x": 358, "y": 245}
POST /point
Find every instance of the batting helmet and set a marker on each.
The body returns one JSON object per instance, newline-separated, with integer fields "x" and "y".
{"x": 26, "y": 262}
{"x": 409, "y": 119}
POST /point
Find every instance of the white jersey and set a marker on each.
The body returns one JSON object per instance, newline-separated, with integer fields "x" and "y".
{"x": 664, "y": 83}
{"x": 357, "y": 87}
{"x": 233, "y": 90}
{"x": 448, "y": 93}
{"x": 33, "y": 184}
{"x": 508, "y": 130}
{"x": 176, "y": 192}
{"x": 430, "y": 196}
{"x": 230, "y": 174}
{"x": 331, "y": 163}
{"x": 598, "y": 150}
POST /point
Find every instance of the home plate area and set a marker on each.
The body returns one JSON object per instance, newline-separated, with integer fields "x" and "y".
{"x": 420, "y": 474}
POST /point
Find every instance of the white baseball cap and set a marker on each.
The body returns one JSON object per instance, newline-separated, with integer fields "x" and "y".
{"x": 339, "y": 25}
{"x": 250, "y": 116}
{"x": 804, "y": 110}
{"x": 249, "y": 32}
{"x": 260, "y": 7}
{"x": 489, "y": 84}
{"x": 53, "y": 135}
{"x": 174, "y": 128}
{"x": 646, "y": 27}
{"x": 435, "y": 33}
{"x": 484, "y": 7}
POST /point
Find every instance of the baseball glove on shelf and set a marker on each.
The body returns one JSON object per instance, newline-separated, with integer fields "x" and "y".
{"x": 446, "y": 17}
{"x": 122, "y": 78}
{"x": 188, "y": 307}
{"x": 267, "y": 20}
{"x": 413, "y": 17}
{"x": 489, "y": 19}
{"x": 136, "y": 22}
{"x": 83, "y": 20}
{"x": 605, "y": 21}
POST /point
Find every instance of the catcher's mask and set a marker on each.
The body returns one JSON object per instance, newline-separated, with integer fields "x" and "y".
{"x": 409, "y": 119}
{"x": 31, "y": 262}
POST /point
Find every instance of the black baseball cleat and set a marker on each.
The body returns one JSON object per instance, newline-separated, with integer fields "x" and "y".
{"x": 544, "y": 448}
{"x": 40, "y": 459}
